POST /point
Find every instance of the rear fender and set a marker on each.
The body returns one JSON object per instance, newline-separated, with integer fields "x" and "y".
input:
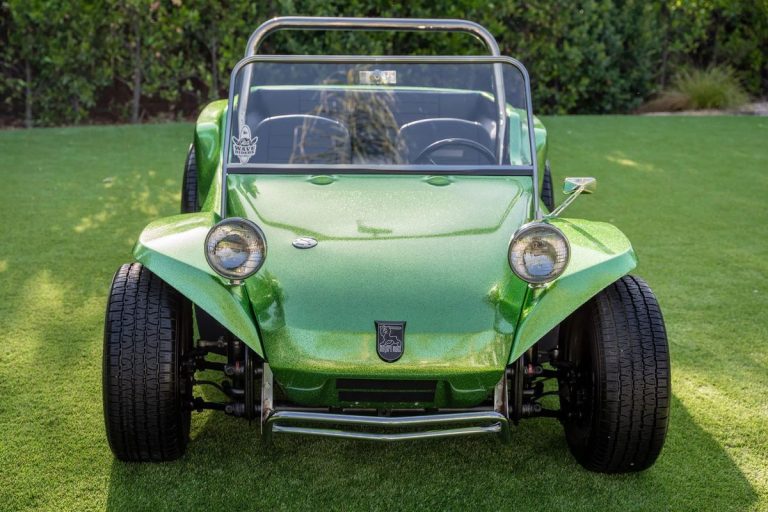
{"x": 208, "y": 130}
{"x": 173, "y": 248}
{"x": 600, "y": 254}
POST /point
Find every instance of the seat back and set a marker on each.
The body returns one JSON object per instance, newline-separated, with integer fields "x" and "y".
{"x": 418, "y": 135}
{"x": 301, "y": 139}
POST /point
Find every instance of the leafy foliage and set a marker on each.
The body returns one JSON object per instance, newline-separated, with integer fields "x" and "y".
{"x": 67, "y": 61}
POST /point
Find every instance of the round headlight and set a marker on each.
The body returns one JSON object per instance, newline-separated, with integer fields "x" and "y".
{"x": 235, "y": 248}
{"x": 538, "y": 253}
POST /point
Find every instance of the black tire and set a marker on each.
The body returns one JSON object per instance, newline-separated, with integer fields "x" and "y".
{"x": 614, "y": 378}
{"x": 189, "y": 183}
{"x": 147, "y": 332}
{"x": 547, "y": 192}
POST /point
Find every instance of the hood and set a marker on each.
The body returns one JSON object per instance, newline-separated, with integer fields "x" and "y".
{"x": 428, "y": 251}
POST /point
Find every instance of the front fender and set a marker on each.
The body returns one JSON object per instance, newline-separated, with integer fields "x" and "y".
{"x": 173, "y": 248}
{"x": 600, "y": 254}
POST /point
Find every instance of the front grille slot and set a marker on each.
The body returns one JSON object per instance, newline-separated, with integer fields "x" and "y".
{"x": 380, "y": 390}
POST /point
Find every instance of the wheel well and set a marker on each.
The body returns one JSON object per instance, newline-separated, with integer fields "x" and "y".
{"x": 208, "y": 328}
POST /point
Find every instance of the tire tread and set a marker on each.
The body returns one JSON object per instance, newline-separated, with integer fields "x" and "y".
{"x": 633, "y": 371}
{"x": 142, "y": 407}
{"x": 189, "y": 183}
{"x": 547, "y": 190}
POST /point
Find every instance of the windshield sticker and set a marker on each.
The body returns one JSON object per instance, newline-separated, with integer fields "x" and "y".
{"x": 245, "y": 146}
{"x": 378, "y": 77}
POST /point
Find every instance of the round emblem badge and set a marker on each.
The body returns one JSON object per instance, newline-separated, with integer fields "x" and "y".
{"x": 304, "y": 242}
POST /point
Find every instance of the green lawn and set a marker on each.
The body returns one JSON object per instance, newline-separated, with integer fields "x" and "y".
{"x": 691, "y": 193}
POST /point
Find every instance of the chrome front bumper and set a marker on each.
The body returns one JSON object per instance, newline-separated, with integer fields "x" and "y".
{"x": 457, "y": 424}
{"x": 378, "y": 428}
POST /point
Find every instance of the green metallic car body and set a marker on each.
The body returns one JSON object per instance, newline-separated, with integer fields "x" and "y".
{"x": 426, "y": 249}
{"x": 468, "y": 314}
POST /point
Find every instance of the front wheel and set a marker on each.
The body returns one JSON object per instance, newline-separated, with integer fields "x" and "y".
{"x": 614, "y": 379}
{"x": 147, "y": 334}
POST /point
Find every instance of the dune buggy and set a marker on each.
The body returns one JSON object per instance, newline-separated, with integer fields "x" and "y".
{"x": 369, "y": 249}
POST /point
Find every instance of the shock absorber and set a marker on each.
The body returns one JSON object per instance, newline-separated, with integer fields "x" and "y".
{"x": 239, "y": 376}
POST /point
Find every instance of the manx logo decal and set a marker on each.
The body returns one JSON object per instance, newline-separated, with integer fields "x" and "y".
{"x": 390, "y": 340}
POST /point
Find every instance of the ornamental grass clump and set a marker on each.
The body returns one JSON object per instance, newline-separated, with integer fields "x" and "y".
{"x": 716, "y": 87}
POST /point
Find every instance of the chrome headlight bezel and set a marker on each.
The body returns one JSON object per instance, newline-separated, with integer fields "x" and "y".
{"x": 254, "y": 240}
{"x": 522, "y": 239}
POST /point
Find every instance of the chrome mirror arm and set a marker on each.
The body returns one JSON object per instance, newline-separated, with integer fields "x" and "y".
{"x": 565, "y": 204}
{"x": 574, "y": 187}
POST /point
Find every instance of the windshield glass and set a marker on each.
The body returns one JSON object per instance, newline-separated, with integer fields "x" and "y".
{"x": 378, "y": 114}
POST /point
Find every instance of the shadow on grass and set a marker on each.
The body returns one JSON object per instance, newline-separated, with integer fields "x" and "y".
{"x": 227, "y": 468}
{"x": 52, "y": 289}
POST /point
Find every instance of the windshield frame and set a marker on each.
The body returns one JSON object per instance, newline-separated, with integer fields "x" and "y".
{"x": 497, "y": 169}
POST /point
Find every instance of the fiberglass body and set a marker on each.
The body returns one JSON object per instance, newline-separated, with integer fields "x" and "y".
{"x": 420, "y": 246}
{"x": 363, "y": 244}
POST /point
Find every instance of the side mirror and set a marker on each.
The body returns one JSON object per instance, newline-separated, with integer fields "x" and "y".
{"x": 571, "y": 185}
{"x": 573, "y": 188}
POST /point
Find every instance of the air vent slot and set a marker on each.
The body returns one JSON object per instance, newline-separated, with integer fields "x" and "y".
{"x": 380, "y": 390}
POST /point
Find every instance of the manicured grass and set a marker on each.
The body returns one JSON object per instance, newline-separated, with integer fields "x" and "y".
{"x": 691, "y": 194}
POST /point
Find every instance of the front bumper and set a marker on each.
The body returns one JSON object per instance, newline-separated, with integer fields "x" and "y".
{"x": 397, "y": 425}
{"x": 451, "y": 424}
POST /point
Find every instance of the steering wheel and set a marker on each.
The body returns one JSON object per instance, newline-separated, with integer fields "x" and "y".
{"x": 425, "y": 155}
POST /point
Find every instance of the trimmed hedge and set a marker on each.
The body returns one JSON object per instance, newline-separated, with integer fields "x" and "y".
{"x": 70, "y": 61}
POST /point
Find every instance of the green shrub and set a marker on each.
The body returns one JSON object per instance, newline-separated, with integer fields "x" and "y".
{"x": 68, "y": 61}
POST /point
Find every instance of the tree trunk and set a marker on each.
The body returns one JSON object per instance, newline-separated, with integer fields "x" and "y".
{"x": 666, "y": 24}
{"x": 28, "y": 122}
{"x": 136, "y": 101}
{"x": 76, "y": 109}
{"x": 214, "y": 70}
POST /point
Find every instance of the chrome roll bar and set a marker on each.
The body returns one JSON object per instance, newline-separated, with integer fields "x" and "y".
{"x": 371, "y": 24}
{"x": 378, "y": 24}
